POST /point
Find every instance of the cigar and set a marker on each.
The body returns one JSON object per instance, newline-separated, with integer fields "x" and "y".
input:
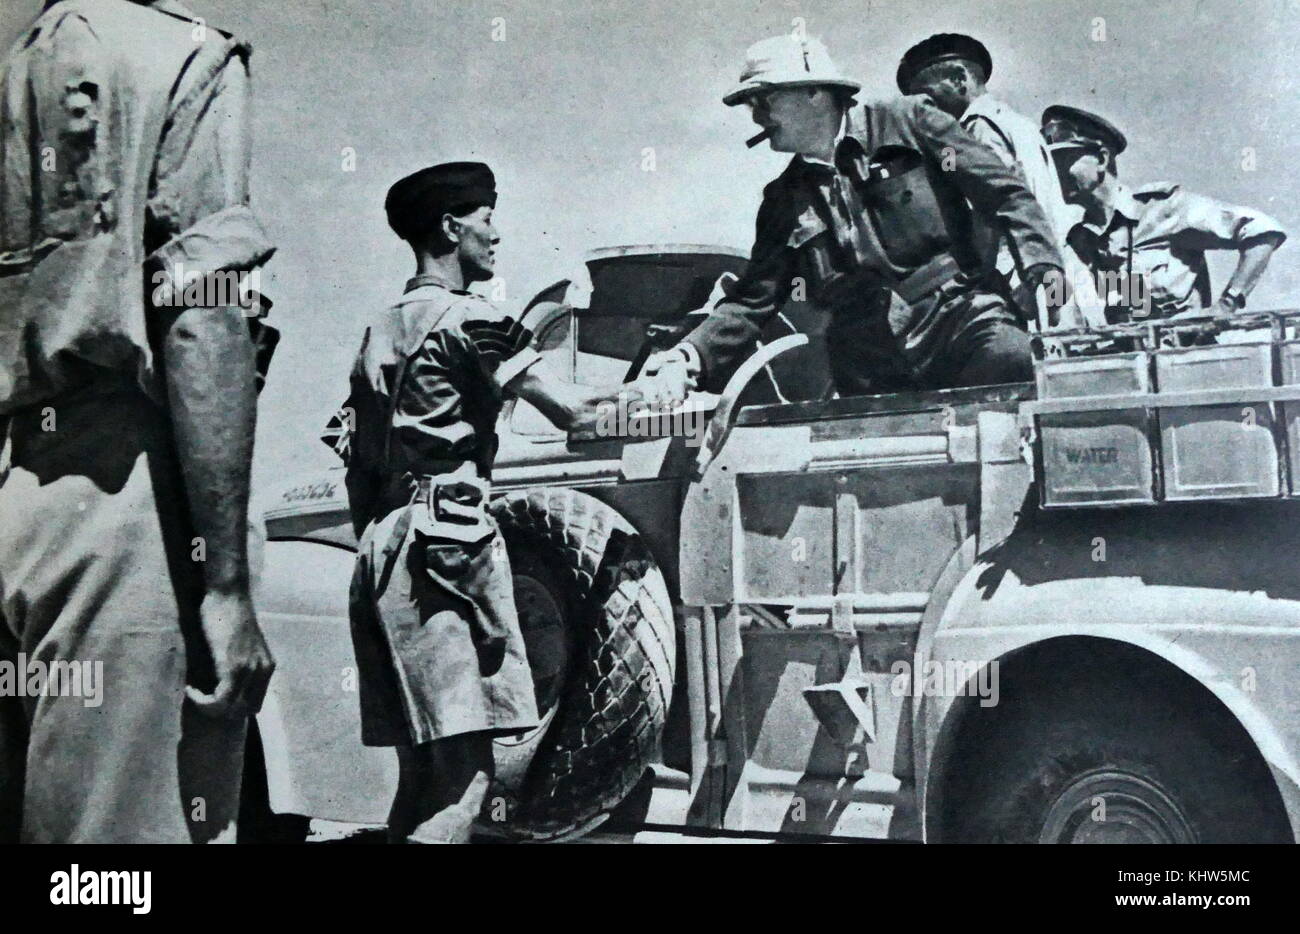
{"x": 757, "y": 138}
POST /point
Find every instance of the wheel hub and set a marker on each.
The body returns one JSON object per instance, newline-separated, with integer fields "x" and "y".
{"x": 1115, "y": 806}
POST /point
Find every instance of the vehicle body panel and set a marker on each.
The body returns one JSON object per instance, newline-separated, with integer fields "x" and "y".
{"x": 1228, "y": 615}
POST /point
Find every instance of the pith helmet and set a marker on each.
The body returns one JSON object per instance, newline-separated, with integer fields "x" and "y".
{"x": 786, "y": 61}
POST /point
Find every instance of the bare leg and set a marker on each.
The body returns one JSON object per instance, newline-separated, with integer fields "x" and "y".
{"x": 440, "y": 789}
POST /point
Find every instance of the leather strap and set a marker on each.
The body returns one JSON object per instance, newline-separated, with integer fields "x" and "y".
{"x": 926, "y": 280}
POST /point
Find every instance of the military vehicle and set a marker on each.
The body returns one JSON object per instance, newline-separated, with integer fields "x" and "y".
{"x": 1064, "y": 611}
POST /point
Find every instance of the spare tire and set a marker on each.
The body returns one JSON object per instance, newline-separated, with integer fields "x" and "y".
{"x": 600, "y": 729}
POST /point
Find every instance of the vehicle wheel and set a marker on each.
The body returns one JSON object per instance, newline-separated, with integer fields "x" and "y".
{"x": 606, "y": 667}
{"x": 1124, "y": 768}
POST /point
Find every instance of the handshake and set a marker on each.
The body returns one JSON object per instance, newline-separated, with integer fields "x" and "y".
{"x": 667, "y": 377}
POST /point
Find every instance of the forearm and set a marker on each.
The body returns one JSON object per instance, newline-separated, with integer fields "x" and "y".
{"x": 729, "y": 332}
{"x": 569, "y": 406}
{"x": 211, "y": 387}
{"x": 1252, "y": 262}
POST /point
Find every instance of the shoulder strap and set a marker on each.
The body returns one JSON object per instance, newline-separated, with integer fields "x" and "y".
{"x": 1011, "y": 147}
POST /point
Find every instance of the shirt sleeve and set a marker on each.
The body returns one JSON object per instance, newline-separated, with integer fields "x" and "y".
{"x": 199, "y": 220}
{"x": 503, "y": 346}
{"x": 736, "y": 322}
{"x": 1217, "y": 225}
{"x": 993, "y": 189}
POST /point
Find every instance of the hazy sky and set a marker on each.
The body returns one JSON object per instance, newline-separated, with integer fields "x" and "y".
{"x": 566, "y": 105}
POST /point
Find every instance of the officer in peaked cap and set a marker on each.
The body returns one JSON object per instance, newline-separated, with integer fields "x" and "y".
{"x": 1146, "y": 246}
{"x": 953, "y": 71}
{"x": 872, "y": 218}
{"x": 441, "y": 662}
{"x": 1065, "y": 126}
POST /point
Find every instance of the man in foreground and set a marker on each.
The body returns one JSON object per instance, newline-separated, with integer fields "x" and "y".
{"x": 127, "y": 415}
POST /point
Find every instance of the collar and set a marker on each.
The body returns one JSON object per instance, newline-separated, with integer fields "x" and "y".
{"x": 986, "y": 105}
{"x": 429, "y": 278}
{"x": 1126, "y": 209}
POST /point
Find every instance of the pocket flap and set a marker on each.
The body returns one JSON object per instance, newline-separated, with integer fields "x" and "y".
{"x": 806, "y": 228}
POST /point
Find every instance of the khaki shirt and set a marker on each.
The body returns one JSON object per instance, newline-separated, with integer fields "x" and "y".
{"x": 126, "y": 148}
{"x": 427, "y": 389}
{"x": 1159, "y": 234}
{"x": 1018, "y": 142}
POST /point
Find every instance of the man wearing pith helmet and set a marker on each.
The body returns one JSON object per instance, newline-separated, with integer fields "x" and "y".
{"x": 954, "y": 69}
{"x": 873, "y": 215}
{"x": 1146, "y": 245}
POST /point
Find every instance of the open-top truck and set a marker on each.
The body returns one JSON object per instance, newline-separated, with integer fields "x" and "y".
{"x": 1065, "y": 611}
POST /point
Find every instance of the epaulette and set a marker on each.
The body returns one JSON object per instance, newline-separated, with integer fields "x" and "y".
{"x": 464, "y": 304}
{"x": 191, "y": 19}
{"x": 1155, "y": 190}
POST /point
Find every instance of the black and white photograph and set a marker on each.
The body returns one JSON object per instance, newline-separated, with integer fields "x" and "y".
{"x": 625, "y": 422}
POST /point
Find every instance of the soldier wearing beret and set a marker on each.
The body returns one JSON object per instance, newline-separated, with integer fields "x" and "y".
{"x": 874, "y": 216}
{"x": 1146, "y": 245}
{"x": 441, "y": 661}
{"x": 953, "y": 70}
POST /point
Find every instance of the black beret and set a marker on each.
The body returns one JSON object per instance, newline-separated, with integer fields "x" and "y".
{"x": 1064, "y": 125}
{"x": 938, "y": 48}
{"x": 415, "y": 203}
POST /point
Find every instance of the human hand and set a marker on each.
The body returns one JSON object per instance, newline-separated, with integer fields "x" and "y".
{"x": 661, "y": 359}
{"x": 1226, "y": 306}
{"x": 666, "y": 390}
{"x": 240, "y": 656}
{"x": 1056, "y": 289}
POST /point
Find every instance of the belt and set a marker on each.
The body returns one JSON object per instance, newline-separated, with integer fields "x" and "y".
{"x": 928, "y": 278}
{"x": 458, "y": 483}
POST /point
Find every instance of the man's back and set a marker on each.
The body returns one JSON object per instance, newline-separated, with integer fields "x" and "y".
{"x": 124, "y": 179}
{"x": 1017, "y": 141}
{"x": 97, "y": 96}
{"x": 1015, "y": 138}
